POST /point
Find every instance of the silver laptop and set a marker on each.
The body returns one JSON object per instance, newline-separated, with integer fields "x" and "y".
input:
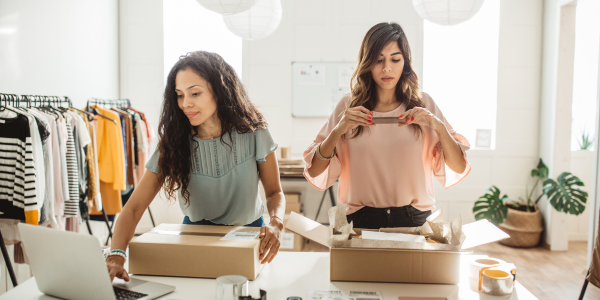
{"x": 71, "y": 266}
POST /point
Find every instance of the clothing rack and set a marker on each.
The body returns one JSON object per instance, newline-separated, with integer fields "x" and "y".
{"x": 28, "y": 101}
{"x": 41, "y": 101}
{"x": 121, "y": 104}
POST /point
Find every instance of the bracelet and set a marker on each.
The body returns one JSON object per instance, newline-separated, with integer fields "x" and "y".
{"x": 116, "y": 254}
{"x": 321, "y": 157}
{"x": 119, "y": 251}
{"x": 275, "y": 216}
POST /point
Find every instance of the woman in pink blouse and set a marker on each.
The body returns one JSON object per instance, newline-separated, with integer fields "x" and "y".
{"x": 386, "y": 171}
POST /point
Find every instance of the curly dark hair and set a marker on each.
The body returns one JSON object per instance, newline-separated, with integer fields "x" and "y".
{"x": 175, "y": 132}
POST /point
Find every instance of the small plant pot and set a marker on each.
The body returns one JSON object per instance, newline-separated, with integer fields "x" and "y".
{"x": 524, "y": 228}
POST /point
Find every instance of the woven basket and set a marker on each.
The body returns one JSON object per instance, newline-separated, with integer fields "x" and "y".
{"x": 524, "y": 228}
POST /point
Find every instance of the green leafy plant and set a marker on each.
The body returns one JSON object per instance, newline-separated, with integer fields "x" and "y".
{"x": 562, "y": 193}
{"x": 540, "y": 173}
{"x": 586, "y": 142}
{"x": 491, "y": 206}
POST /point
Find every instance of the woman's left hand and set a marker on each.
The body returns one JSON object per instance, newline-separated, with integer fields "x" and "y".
{"x": 421, "y": 116}
{"x": 271, "y": 240}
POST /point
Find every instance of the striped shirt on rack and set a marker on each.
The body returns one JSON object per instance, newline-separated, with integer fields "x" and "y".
{"x": 17, "y": 171}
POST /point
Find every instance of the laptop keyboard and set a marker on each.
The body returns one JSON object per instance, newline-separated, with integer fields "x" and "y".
{"x": 123, "y": 294}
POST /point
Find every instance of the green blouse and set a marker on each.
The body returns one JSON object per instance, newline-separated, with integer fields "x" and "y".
{"x": 224, "y": 178}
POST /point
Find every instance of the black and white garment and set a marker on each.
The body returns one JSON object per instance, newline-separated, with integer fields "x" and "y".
{"x": 72, "y": 204}
{"x": 17, "y": 171}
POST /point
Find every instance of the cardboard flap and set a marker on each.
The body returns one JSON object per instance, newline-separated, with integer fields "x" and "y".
{"x": 308, "y": 228}
{"x": 481, "y": 232}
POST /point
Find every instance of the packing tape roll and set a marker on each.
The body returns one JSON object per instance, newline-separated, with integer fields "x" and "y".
{"x": 476, "y": 265}
{"x": 508, "y": 268}
{"x": 496, "y": 283}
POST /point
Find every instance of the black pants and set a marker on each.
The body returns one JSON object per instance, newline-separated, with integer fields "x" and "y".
{"x": 375, "y": 218}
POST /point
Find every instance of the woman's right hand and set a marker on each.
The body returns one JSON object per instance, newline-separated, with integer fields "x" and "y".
{"x": 115, "y": 265}
{"x": 354, "y": 117}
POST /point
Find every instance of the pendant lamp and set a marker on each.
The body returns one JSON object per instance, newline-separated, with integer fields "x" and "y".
{"x": 447, "y": 12}
{"x": 227, "y": 7}
{"x": 257, "y": 22}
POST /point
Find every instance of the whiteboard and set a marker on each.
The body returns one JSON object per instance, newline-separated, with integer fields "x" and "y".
{"x": 317, "y": 87}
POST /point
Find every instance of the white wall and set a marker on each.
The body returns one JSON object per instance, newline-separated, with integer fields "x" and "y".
{"x": 333, "y": 30}
{"x": 62, "y": 47}
{"x": 142, "y": 79}
{"x": 582, "y": 166}
{"x": 556, "y": 102}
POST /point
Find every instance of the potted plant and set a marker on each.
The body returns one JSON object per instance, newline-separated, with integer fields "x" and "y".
{"x": 586, "y": 142}
{"x": 522, "y": 219}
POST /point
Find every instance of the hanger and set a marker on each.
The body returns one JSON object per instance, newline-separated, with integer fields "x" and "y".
{"x": 95, "y": 110}
{"x": 87, "y": 113}
{"x": 15, "y": 102}
{"x": 3, "y": 103}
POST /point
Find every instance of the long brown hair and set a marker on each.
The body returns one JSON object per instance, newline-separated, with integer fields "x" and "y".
{"x": 364, "y": 87}
{"x": 234, "y": 109}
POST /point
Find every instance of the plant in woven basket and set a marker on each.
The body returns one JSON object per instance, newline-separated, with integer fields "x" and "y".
{"x": 562, "y": 193}
{"x": 540, "y": 173}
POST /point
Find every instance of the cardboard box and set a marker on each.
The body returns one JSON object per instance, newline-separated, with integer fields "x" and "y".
{"x": 395, "y": 261}
{"x": 292, "y": 197}
{"x": 290, "y": 241}
{"x": 194, "y": 251}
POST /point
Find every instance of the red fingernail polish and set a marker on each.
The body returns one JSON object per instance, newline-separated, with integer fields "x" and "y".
{"x": 371, "y": 113}
{"x": 412, "y": 119}
{"x": 366, "y": 124}
{"x": 400, "y": 116}
{"x": 369, "y": 117}
{"x": 370, "y": 121}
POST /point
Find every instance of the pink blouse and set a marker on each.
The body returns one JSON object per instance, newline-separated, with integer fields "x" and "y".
{"x": 387, "y": 166}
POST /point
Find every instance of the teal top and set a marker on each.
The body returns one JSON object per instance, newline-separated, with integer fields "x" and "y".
{"x": 224, "y": 181}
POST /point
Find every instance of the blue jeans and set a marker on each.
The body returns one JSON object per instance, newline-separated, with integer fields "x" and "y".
{"x": 260, "y": 222}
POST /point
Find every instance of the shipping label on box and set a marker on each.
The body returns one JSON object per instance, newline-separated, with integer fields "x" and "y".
{"x": 287, "y": 240}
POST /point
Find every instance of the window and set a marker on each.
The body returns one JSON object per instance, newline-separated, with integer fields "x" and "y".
{"x": 460, "y": 72}
{"x": 190, "y": 27}
{"x": 585, "y": 71}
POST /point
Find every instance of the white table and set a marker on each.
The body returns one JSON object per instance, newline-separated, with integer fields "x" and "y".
{"x": 294, "y": 274}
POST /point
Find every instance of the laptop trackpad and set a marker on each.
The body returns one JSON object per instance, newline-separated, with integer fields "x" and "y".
{"x": 120, "y": 283}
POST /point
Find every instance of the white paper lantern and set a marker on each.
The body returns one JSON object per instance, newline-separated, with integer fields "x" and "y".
{"x": 256, "y": 23}
{"x": 227, "y": 7}
{"x": 447, "y": 12}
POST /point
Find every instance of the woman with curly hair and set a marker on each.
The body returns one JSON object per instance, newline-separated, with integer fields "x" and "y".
{"x": 386, "y": 172}
{"x": 214, "y": 147}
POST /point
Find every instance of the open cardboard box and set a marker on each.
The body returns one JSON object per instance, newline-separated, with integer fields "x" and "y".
{"x": 194, "y": 251}
{"x": 395, "y": 261}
